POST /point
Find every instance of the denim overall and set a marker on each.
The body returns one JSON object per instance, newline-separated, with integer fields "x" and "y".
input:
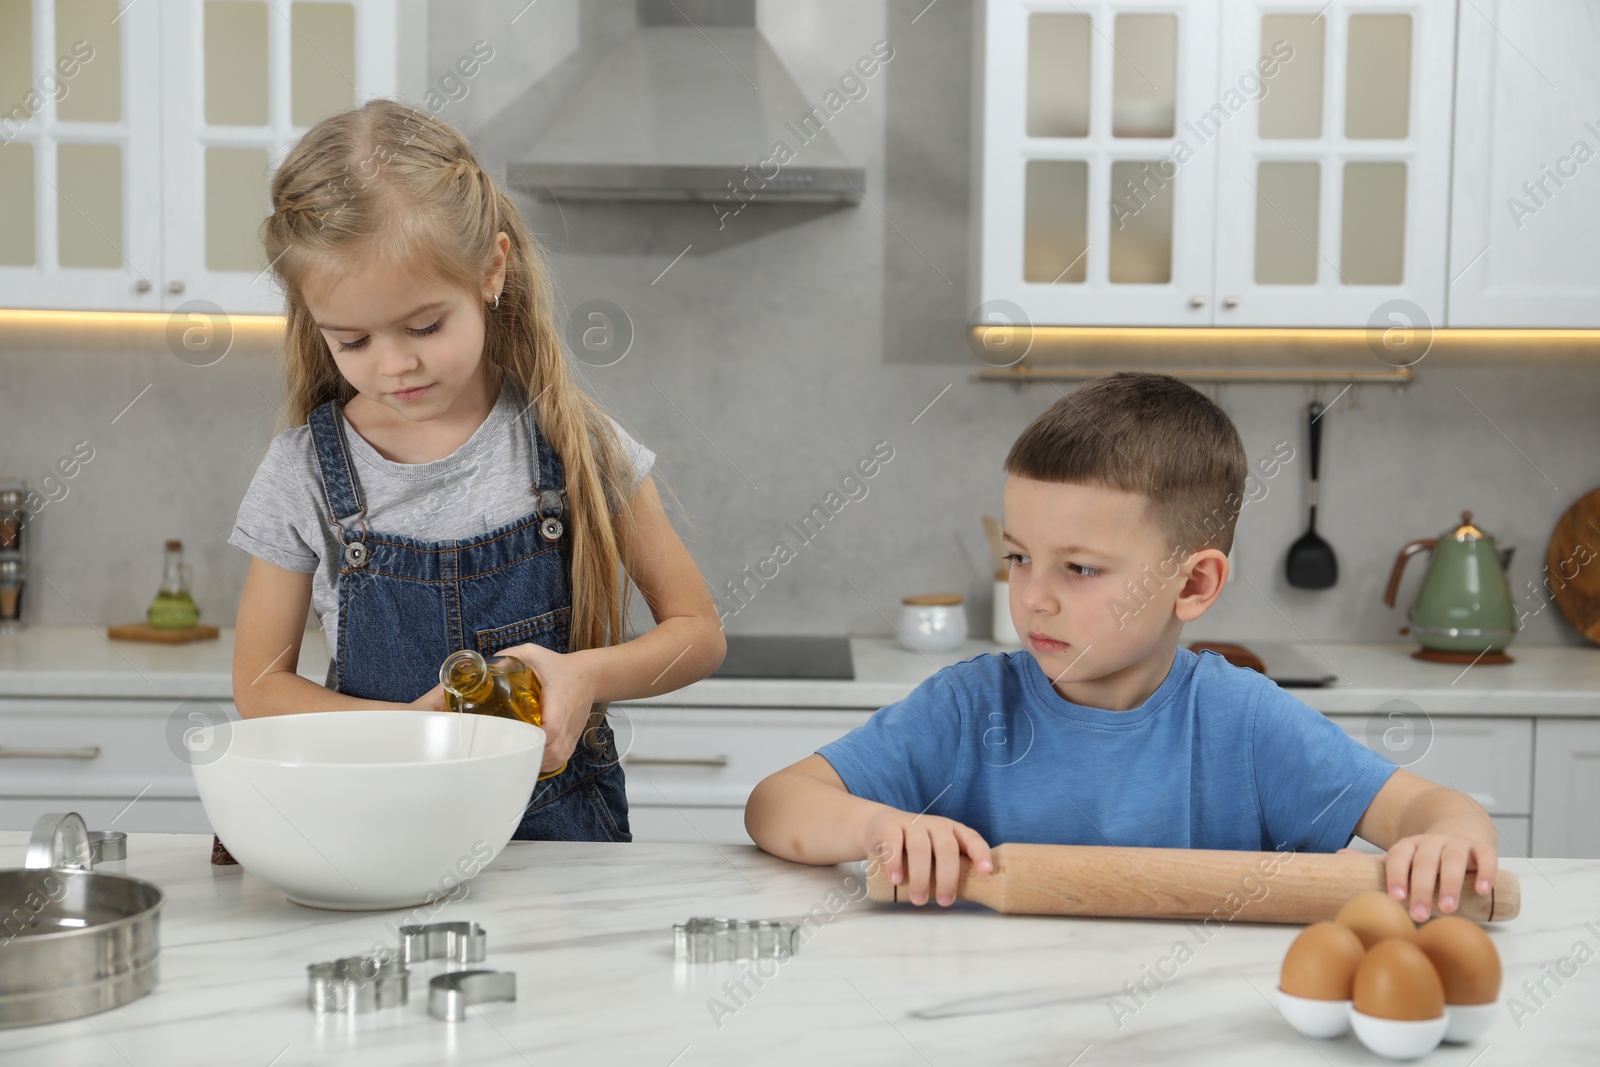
{"x": 405, "y": 604}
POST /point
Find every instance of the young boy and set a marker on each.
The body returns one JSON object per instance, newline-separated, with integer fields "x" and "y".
{"x": 1120, "y": 504}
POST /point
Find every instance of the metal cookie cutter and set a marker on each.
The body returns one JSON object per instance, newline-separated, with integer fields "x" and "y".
{"x": 62, "y": 841}
{"x": 107, "y": 845}
{"x": 463, "y": 942}
{"x": 709, "y": 940}
{"x": 357, "y": 984}
{"x": 450, "y": 994}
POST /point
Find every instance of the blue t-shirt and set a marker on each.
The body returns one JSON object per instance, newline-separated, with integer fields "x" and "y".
{"x": 1219, "y": 757}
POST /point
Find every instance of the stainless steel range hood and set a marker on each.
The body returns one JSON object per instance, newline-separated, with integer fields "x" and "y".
{"x": 690, "y": 113}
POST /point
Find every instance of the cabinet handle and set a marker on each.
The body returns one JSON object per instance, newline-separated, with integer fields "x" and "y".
{"x": 175, "y": 287}
{"x": 678, "y": 761}
{"x": 142, "y": 285}
{"x": 92, "y": 752}
{"x": 1197, "y": 301}
{"x": 1230, "y": 301}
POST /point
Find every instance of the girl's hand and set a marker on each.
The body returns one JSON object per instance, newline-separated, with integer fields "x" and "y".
{"x": 432, "y": 700}
{"x": 565, "y": 696}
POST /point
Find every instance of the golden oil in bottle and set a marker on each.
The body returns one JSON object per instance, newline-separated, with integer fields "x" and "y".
{"x": 503, "y": 686}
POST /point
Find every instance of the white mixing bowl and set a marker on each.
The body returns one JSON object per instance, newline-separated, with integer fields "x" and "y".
{"x": 367, "y": 810}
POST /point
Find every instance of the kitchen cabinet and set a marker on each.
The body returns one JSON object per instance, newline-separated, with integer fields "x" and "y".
{"x": 691, "y": 769}
{"x": 1525, "y": 214}
{"x": 1081, "y": 220}
{"x": 1213, "y": 162}
{"x": 1566, "y": 790}
{"x": 1332, "y": 188}
{"x": 105, "y": 759}
{"x": 1524, "y": 739}
{"x": 1489, "y": 759}
{"x": 139, "y": 140}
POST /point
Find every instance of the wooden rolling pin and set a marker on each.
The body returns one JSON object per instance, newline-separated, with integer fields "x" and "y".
{"x": 1182, "y": 883}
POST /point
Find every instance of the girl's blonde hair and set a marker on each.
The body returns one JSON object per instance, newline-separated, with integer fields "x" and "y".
{"x": 388, "y": 181}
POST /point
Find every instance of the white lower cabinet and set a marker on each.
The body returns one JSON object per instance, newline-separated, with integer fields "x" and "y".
{"x": 1490, "y": 760}
{"x": 120, "y": 764}
{"x": 688, "y": 824}
{"x": 690, "y": 770}
{"x": 1566, "y": 788}
{"x": 108, "y": 760}
{"x": 110, "y": 813}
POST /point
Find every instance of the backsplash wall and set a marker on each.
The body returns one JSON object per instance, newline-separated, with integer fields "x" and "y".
{"x": 782, "y": 347}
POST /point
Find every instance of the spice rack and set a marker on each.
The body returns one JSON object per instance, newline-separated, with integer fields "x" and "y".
{"x": 13, "y": 554}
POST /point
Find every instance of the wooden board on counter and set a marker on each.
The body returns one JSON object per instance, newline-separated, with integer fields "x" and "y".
{"x": 1571, "y": 570}
{"x": 143, "y": 631}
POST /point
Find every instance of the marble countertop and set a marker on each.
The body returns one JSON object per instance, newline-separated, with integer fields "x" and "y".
{"x": 79, "y": 661}
{"x": 587, "y": 930}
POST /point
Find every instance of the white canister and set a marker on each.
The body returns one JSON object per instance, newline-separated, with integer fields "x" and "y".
{"x": 932, "y": 622}
{"x": 1005, "y": 633}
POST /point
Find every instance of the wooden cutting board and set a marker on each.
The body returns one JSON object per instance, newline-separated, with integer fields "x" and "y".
{"x": 143, "y": 631}
{"x": 1572, "y": 565}
{"x": 1185, "y": 883}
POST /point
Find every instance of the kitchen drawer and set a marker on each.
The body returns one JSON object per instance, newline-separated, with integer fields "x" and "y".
{"x": 1491, "y": 760}
{"x": 97, "y": 748}
{"x": 710, "y": 757}
{"x": 145, "y": 816}
{"x": 688, "y": 824}
{"x": 1515, "y": 835}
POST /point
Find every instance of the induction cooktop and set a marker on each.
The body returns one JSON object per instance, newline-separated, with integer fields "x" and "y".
{"x": 785, "y": 656}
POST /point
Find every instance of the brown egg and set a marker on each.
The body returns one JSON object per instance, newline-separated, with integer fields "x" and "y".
{"x": 1396, "y": 981}
{"x": 1375, "y": 916}
{"x": 1465, "y": 958}
{"x": 1321, "y": 963}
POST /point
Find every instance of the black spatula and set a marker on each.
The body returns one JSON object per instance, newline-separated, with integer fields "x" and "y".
{"x": 1310, "y": 564}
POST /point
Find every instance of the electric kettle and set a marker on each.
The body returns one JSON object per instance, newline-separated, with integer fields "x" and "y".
{"x": 1464, "y": 607}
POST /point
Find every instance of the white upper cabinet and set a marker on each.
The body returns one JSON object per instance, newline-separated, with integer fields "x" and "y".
{"x": 1215, "y": 162}
{"x": 1091, "y": 209}
{"x": 264, "y": 72}
{"x": 80, "y": 155}
{"x": 139, "y": 180}
{"x": 1525, "y": 215}
{"x": 1332, "y": 187}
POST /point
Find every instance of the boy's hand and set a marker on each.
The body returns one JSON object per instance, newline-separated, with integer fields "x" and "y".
{"x": 1441, "y": 859}
{"x": 923, "y": 851}
{"x": 565, "y": 697}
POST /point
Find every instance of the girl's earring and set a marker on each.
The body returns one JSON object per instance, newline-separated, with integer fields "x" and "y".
{"x": 497, "y": 301}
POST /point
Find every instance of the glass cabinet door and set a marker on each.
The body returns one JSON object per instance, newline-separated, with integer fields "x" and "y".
{"x": 79, "y": 155}
{"x": 1097, "y": 197}
{"x": 137, "y": 139}
{"x": 1333, "y": 191}
{"x": 263, "y": 72}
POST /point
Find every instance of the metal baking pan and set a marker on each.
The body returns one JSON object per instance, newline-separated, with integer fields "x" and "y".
{"x": 73, "y": 941}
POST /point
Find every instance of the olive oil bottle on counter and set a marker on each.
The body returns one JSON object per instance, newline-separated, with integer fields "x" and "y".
{"x": 503, "y": 686}
{"x": 173, "y": 608}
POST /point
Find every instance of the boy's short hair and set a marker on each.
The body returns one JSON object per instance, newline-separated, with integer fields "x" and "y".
{"x": 1149, "y": 434}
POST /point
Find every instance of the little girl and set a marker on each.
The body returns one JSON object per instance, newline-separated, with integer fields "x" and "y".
{"x": 446, "y": 483}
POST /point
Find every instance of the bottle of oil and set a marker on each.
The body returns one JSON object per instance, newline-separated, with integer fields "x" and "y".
{"x": 503, "y": 686}
{"x": 173, "y": 608}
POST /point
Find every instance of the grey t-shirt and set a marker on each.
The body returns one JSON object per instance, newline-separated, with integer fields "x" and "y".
{"x": 284, "y": 518}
